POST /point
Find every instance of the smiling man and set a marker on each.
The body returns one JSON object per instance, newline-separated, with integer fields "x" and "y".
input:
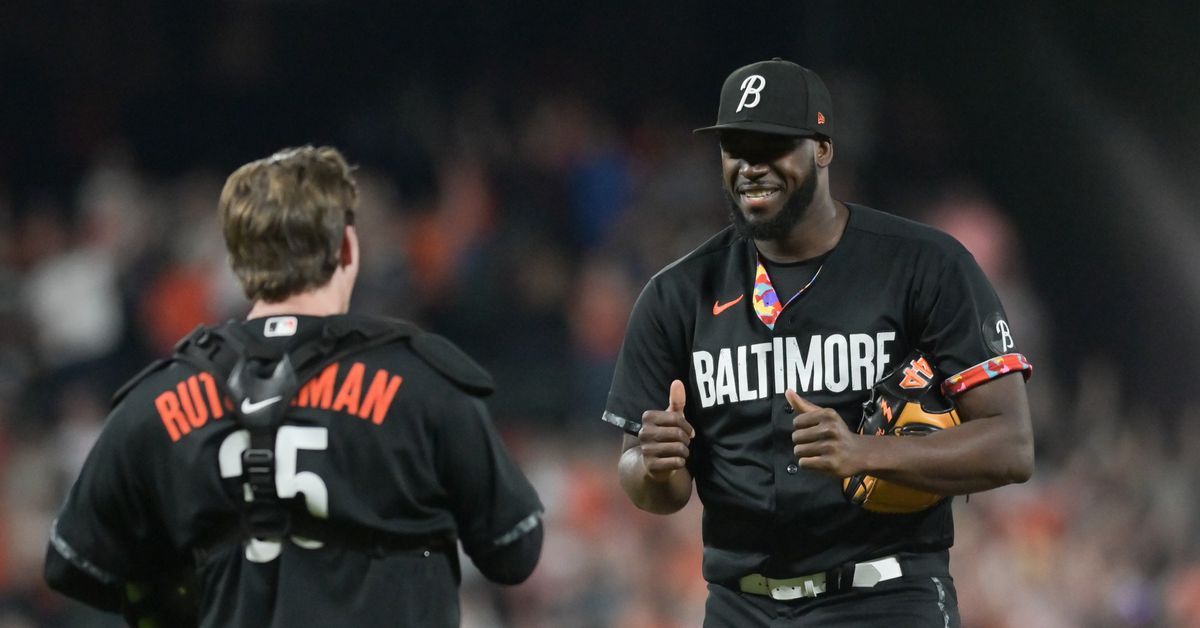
{"x": 764, "y": 344}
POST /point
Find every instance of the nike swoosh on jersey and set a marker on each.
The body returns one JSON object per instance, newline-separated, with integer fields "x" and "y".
{"x": 719, "y": 307}
{"x": 250, "y": 407}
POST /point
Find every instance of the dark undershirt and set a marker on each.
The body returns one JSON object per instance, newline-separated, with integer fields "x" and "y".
{"x": 788, "y": 278}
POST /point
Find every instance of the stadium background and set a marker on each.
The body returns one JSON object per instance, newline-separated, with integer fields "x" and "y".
{"x": 526, "y": 166}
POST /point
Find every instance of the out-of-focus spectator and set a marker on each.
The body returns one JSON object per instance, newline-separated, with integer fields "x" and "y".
{"x": 72, "y": 294}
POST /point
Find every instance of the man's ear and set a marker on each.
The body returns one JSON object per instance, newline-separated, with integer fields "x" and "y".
{"x": 348, "y": 255}
{"x": 824, "y": 152}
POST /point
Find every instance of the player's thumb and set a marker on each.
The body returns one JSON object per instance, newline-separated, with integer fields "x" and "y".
{"x": 678, "y": 397}
{"x": 799, "y": 404}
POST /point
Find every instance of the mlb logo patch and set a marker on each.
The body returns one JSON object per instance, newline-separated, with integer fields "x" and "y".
{"x": 278, "y": 326}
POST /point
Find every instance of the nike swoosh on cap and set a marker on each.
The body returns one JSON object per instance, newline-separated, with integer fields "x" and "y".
{"x": 250, "y": 407}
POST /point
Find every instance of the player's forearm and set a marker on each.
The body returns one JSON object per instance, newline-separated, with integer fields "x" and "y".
{"x": 659, "y": 497}
{"x": 992, "y": 447}
{"x": 978, "y": 455}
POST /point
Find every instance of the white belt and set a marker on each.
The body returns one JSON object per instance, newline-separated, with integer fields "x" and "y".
{"x": 866, "y": 575}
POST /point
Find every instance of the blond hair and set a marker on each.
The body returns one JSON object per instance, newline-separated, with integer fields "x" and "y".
{"x": 284, "y": 218}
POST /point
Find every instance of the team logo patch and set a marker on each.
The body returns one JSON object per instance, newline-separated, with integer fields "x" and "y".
{"x": 278, "y": 326}
{"x": 997, "y": 334}
{"x": 751, "y": 87}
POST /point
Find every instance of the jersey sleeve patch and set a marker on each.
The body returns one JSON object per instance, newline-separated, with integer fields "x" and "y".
{"x": 997, "y": 334}
{"x": 985, "y": 372}
{"x": 631, "y": 427}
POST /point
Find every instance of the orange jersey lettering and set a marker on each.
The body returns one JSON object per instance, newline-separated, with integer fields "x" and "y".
{"x": 189, "y": 406}
{"x": 191, "y": 402}
{"x": 168, "y": 409}
{"x": 350, "y": 393}
{"x": 318, "y": 392}
{"x": 379, "y": 396}
{"x": 214, "y": 397}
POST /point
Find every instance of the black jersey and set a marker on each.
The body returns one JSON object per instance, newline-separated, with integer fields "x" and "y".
{"x": 713, "y": 320}
{"x": 380, "y": 442}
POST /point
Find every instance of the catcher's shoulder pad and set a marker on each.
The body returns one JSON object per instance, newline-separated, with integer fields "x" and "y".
{"x": 453, "y": 363}
{"x": 128, "y": 386}
{"x": 156, "y": 366}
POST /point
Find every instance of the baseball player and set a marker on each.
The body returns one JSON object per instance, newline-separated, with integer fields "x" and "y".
{"x": 747, "y": 362}
{"x": 304, "y": 467}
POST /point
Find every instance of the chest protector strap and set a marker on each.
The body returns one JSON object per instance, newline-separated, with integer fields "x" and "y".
{"x": 261, "y": 380}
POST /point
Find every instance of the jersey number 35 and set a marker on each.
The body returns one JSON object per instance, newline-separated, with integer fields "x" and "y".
{"x": 288, "y": 481}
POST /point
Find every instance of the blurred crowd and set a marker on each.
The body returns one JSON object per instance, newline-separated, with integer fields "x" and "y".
{"x": 525, "y": 237}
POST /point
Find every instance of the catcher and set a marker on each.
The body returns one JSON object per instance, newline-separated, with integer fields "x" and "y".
{"x": 306, "y": 466}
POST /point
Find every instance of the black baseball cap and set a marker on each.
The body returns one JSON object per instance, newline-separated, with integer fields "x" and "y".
{"x": 776, "y": 97}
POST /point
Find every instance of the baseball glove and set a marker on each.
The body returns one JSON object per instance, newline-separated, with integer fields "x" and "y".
{"x": 907, "y": 401}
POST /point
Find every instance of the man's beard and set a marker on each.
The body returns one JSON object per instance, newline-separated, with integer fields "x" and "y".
{"x": 781, "y": 225}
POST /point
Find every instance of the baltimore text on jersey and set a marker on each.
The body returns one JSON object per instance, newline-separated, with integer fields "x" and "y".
{"x": 834, "y": 362}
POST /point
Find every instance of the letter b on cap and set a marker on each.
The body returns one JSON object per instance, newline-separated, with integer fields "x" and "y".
{"x": 751, "y": 87}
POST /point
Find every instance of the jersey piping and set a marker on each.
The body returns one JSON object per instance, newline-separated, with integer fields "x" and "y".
{"x": 630, "y": 427}
{"x": 522, "y": 528}
{"x": 75, "y": 558}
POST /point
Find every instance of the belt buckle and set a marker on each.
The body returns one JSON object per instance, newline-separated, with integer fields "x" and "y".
{"x": 841, "y": 578}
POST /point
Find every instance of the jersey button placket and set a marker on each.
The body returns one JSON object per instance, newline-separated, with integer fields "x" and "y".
{"x": 792, "y": 468}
